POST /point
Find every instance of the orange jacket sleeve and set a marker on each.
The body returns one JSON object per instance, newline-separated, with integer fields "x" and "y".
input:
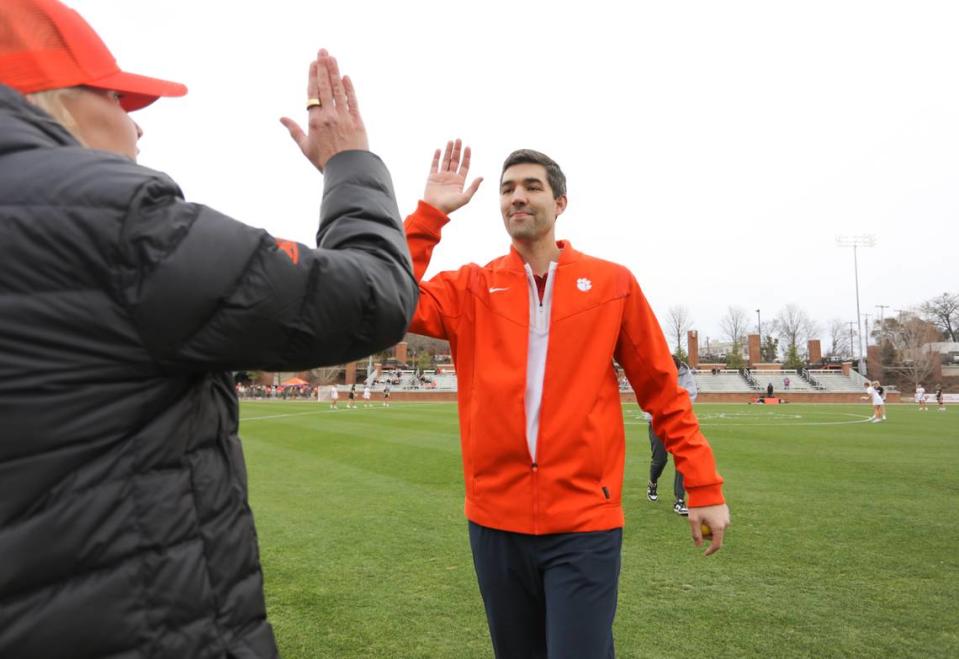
{"x": 439, "y": 302}
{"x": 645, "y": 357}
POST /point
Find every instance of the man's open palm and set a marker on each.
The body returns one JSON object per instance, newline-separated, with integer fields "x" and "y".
{"x": 444, "y": 186}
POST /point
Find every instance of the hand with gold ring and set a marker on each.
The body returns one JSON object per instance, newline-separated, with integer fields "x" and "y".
{"x": 335, "y": 123}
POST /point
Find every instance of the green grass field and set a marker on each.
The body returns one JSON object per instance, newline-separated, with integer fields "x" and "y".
{"x": 844, "y": 540}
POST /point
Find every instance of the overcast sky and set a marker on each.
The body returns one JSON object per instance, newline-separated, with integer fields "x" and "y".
{"x": 715, "y": 148}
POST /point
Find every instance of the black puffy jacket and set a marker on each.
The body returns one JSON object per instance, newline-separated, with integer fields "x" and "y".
{"x": 124, "y": 524}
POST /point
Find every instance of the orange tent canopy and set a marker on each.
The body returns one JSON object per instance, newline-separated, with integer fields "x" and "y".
{"x": 294, "y": 382}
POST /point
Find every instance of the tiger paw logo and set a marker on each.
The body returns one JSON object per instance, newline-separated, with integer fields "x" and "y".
{"x": 584, "y": 284}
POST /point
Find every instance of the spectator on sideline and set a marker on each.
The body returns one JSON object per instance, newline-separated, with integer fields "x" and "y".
{"x": 543, "y": 457}
{"x": 658, "y": 460}
{"x": 124, "y": 523}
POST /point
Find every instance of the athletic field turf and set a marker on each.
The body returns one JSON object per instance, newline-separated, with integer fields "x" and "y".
{"x": 844, "y": 540}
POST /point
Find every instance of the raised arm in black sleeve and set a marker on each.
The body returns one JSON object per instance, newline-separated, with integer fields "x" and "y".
{"x": 208, "y": 292}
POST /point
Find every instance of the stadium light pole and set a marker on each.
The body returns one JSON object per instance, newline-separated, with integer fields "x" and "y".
{"x": 867, "y": 317}
{"x": 861, "y": 240}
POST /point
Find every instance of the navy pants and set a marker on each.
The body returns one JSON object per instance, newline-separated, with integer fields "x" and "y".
{"x": 548, "y": 596}
{"x": 658, "y": 463}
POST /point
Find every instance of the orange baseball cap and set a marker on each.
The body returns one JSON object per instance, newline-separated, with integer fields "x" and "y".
{"x": 46, "y": 45}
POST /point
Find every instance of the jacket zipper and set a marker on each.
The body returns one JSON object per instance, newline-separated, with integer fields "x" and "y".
{"x": 539, "y": 325}
{"x": 535, "y": 468}
{"x": 540, "y": 322}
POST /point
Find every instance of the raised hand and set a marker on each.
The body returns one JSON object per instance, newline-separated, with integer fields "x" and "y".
{"x": 335, "y": 124}
{"x": 444, "y": 185}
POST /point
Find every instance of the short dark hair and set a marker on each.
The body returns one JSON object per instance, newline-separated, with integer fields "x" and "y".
{"x": 554, "y": 175}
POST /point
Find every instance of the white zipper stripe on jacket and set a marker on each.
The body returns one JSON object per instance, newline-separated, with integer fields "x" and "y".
{"x": 539, "y": 314}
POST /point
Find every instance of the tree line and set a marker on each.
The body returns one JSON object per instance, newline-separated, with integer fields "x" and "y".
{"x": 901, "y": 336}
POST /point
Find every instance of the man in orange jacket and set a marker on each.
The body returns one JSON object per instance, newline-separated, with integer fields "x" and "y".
{"x": 534, "y": 335}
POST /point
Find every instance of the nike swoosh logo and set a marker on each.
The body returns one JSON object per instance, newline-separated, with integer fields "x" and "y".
{"x": 496, "y": 290}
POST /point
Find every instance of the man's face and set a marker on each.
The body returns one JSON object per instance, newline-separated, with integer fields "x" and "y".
{"x": 527, "y": 203}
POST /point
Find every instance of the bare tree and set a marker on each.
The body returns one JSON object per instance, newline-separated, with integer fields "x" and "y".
{"x": 914, "y": 337}
{"x": 734, "y": 325}
{"x": 885, "y": 336}
{"x": 769, "y": 349}
{"x": 678, "y": 322}
{"x": 418, "y": 343}
{"x": 943, "y": 311}
{"x": 794, "y": 326}
{"x": 839, "y": 339}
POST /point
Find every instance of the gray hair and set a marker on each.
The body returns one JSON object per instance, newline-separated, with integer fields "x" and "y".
{"x": 51, "y": 101}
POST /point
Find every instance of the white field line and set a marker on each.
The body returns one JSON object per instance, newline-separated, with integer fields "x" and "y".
{"x": 328, "y": 409}
{"x": 280, "y": 416}
{"x": 789, "y": 420}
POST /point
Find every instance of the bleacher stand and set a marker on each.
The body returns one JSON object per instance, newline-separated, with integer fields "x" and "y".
{"x": 830, "y": 380}
{"x": 730, "y": 381}
{"x": 714, "y": 381}
{"x": 778, "y": 378}
{"x": 445, "y": 382}
{"x": 428, "y": 380}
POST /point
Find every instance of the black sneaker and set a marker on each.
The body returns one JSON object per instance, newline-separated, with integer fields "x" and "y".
{"x": 651, "y": 492}
{"x": 680, "y": 508}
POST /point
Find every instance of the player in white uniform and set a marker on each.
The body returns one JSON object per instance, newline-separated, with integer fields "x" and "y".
{"x": 882, "y": 397}
{"x": 921, "y": 398}
{"x": 334, "y": 394}
{"x": 877, "y": 403}
{"x": 366, "y": 396}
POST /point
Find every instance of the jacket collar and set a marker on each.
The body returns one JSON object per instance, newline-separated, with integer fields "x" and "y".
{"x": 514, "y": 262}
